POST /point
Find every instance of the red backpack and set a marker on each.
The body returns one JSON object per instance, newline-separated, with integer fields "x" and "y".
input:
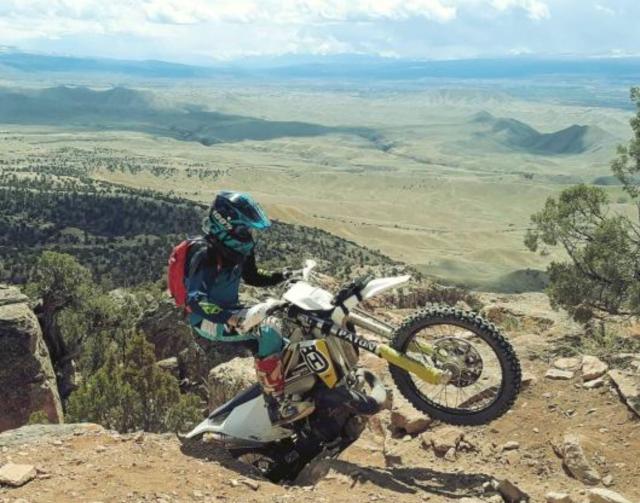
{"x": 176, "y": 273}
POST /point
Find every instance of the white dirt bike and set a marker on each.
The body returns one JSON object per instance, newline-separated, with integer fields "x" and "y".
{"x": 448, "y": 363}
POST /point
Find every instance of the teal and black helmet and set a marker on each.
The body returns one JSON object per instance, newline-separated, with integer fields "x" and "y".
{"x": 232, "y": 217}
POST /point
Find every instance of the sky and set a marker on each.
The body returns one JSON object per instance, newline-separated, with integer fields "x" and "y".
{"x": 201, "y": 31}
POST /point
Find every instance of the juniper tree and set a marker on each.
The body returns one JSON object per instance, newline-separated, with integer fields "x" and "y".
{"x": 602, "y": 274}
{"x": 133, "y": 394}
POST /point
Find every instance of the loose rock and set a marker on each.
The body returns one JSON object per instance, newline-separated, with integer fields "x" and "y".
{"x": 576, "y": 462}
{"x": 593, "y": 367}
{"x": 15, "y": 475}
{"x": 511, "y": 446}
{"x": 552, "y": 497}
{"x": 593, "y": 384}
{"x": 405, "y": 419}
{"x": 558, "y": 374}
{"x": 570, "y": 363}
{"x": 251, "y": 483}
{"x": 443, "y": 439}
{"x": 606, "y": 496}
{"x": 511, "y": 493}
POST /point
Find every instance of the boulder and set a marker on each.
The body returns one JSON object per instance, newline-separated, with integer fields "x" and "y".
{"x": 16, "y": 475}
{"x": 575, "y": 461}
{"x": 593, "y": 367}
{"x": 27, "y": 379}
{"x": 628, "y": 386}
{"x": 559, "y": 374}
{"x": 606, "y": 496}
{"x": 553, "y": 497}
{"x": 228, "y": 379}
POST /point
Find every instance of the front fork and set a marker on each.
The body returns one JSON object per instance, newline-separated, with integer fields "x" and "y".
{"x": 429, "y": 374}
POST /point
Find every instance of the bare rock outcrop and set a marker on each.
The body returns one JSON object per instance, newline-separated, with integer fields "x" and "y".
{"x": 228, "y": 379}
{"x": 27, "y": 378}
{"x": 628, "y": 385}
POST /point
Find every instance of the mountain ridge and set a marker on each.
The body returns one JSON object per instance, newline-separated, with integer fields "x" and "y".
{"x": 517, "y": 135}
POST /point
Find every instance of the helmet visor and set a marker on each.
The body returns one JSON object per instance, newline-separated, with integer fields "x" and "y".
{"x": 253, "y": 214}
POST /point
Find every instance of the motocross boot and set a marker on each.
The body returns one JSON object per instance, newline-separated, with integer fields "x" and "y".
{"x": 281, "y": 409}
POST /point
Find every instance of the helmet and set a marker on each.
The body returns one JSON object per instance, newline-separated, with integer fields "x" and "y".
{"x": 231, "y": 218}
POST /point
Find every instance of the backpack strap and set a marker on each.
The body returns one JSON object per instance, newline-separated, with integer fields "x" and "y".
{"x": 197, "y": 255}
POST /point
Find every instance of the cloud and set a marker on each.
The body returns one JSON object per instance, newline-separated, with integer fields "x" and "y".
{"x": 536, "y": 9}
{"x": 198, "y": 30}
{"x": 295, "y": 11}
{"x": 607, "y": 10}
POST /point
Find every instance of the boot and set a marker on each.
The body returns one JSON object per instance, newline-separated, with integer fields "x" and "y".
{"x": 281, "y": 409}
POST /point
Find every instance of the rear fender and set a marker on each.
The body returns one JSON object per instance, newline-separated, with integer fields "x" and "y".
{"x": 246, "y": 424}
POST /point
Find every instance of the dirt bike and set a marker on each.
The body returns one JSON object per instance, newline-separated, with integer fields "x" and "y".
{"x": 448, "y": 363}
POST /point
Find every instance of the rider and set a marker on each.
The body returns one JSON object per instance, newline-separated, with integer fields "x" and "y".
{"x": 215, "y": 265}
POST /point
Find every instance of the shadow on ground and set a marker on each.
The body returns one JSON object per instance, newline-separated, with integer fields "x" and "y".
{"x": 402, "y": 480}
{"x": 410, "y": 480}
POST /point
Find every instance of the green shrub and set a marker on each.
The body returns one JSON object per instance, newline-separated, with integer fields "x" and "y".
{"x": 134, "y": 395}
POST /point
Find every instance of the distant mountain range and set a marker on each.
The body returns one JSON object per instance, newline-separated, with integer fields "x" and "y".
{"x": 338, "y": 66}
{"x": 517, "y": 135}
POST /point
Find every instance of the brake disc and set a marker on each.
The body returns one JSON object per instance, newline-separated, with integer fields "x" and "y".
{"x": 460, "y": 358}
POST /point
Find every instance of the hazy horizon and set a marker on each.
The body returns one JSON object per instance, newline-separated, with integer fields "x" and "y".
{"x": 205, "y": 32}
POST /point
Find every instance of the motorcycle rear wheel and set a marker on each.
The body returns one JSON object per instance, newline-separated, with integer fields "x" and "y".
{"x": 485, "y": 371}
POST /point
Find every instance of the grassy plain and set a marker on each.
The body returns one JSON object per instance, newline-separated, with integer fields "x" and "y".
{"x": 433, "y": 186}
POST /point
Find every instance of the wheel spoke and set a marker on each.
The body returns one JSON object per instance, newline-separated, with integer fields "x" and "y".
{"x": 471, "y": 361}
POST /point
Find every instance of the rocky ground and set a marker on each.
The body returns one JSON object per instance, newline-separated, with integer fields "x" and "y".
{"x": 573, "y": 436}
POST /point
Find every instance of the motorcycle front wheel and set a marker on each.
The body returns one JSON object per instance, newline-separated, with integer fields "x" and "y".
{"x": 483, "y": 370}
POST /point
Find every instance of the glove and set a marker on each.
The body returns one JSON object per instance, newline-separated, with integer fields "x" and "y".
{"x": 237, "y": 319}
{"x": 252, "y": 317}
{"x": 292, "y": 274}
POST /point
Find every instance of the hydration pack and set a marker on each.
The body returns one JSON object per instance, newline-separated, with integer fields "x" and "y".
{"x": 176, "y": 272}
